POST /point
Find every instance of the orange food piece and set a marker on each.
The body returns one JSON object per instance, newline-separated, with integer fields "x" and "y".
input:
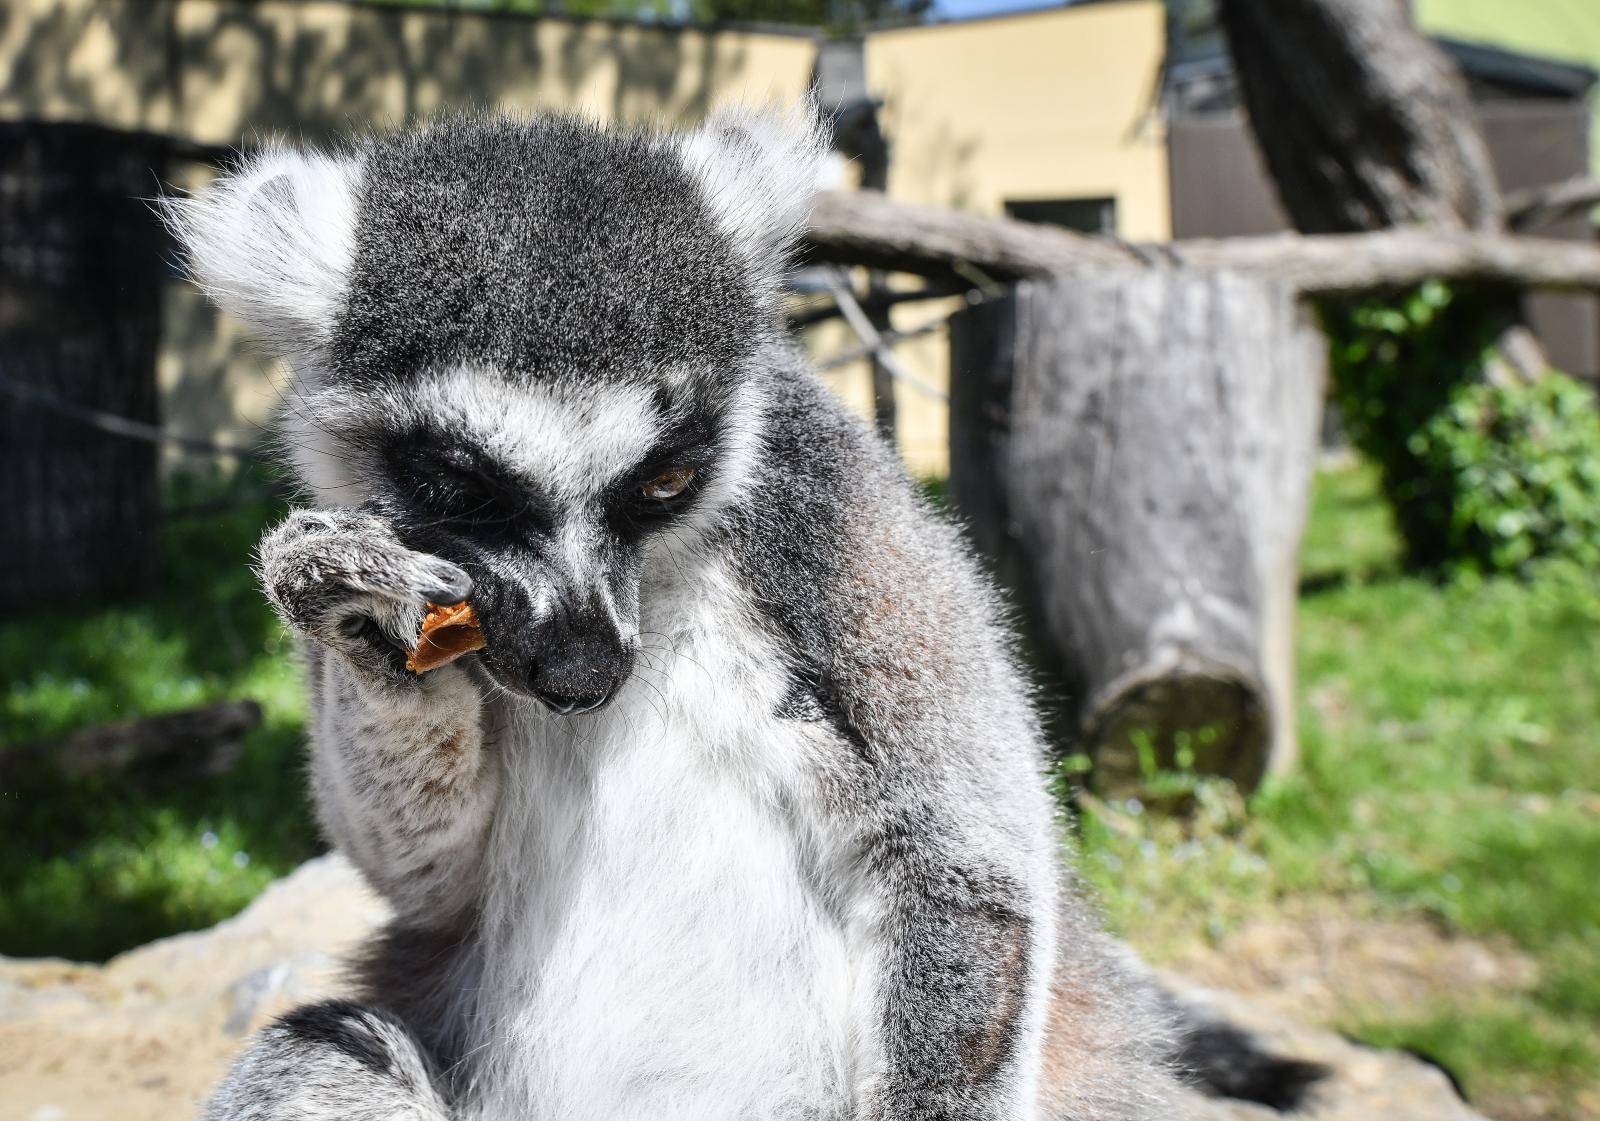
{"x": 447, "y": 633}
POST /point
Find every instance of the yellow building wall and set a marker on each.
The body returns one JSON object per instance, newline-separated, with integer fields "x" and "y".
{"x": 1040, "y": 105}
{"x": 216, "y": 71}
{"x": 1043, "y": 105}
{"x": 219, "y": 72}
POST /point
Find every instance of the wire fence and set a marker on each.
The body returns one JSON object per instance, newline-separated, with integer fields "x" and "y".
{"x": 83, "y": 262}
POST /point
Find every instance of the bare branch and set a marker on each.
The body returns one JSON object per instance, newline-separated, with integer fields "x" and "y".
{"x": 871, "y": 338}
{"x": 868, "y": 228}
{"x": 1543, "y": 206}
{"x": 874, "y": 301}
{"x": 1348, "y": 264}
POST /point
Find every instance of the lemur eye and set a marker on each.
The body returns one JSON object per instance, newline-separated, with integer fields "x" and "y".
{"x": 668, "y": 484}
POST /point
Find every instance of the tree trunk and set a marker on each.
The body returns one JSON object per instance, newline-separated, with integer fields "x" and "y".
{"x": 1134, "y": 449}
{"x": 1363, "y": 121}
{"x": 81, "y": 260}
{"x": 1366, "y": 124}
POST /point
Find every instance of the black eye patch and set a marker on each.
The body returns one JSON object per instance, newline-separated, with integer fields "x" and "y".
{"x": 458, "y": 484}
{"x": 666, "y": 483}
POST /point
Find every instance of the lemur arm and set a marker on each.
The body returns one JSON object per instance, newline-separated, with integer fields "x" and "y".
{"x": 956, "y": 999}
{"x": 400, "y": 775}
{"x": 403, "y": 784}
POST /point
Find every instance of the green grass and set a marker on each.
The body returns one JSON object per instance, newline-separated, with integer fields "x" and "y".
{"x": 1450, "y": 771}
{"x": 90, "y": 868}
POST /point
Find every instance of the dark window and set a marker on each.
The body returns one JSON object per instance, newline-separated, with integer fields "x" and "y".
{"x": 1087, "y": 216}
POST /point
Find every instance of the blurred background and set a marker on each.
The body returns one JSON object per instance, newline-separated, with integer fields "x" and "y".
{"x": 1255, "y": 342}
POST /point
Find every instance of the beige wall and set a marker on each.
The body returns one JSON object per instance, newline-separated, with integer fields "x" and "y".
{"x": 218, "y": 70}
{"x": 1045, "y": 105}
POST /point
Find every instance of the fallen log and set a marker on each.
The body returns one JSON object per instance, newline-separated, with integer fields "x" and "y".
{"x": 1135, "y": 448}
{"x": 174, "y": 746}
{"x": 866, "y": 228}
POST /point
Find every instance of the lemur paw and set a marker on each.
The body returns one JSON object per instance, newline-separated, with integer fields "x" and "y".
{"x": 343, "y": 579}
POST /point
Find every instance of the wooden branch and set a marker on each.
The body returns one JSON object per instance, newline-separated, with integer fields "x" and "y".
{"x": 1543, "y": 206}
{"x": 1348, "y": 264}
{"x": 871, "y": 338}
{"x": 867, "y": 228}
{"x": 191, "y": 743}
{"x": 885, "y": 338}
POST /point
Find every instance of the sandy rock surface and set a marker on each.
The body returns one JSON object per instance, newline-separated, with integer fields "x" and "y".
{"x": 1363, "y": 1084}
{"x": 143, "y": 1037}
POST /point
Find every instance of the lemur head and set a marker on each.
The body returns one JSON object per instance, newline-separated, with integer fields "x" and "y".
{"x": 533, "y": 346}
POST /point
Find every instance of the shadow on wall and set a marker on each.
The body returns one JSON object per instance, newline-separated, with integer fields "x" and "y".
{"x": 948, "y": 162}
{"x": 216, "y": 71}
{"x": 217, "y": 74}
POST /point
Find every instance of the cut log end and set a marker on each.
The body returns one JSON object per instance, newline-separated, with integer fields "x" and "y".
{"x": 1195, "y": 718}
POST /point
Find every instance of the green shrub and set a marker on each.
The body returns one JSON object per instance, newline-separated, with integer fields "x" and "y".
{"x": 1483, "y": 477}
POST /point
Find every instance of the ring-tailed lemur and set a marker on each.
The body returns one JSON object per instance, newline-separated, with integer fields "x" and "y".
{"x": 740, "y": 814}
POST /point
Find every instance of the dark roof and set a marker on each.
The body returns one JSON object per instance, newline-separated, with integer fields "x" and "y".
{"x": 1531, "y": 74}
{"x": 1199, "y": 74}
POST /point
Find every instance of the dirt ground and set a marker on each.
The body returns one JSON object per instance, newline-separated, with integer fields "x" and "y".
{"x": 1324, "y": 966}
{"x": 1321, "y": 965}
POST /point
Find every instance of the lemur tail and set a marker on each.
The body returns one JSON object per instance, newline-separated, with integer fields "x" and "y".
{"x": 1225, "y": 1060}
{"x": 1209, "y": 1052}
{"x": 1119, "y": 1035}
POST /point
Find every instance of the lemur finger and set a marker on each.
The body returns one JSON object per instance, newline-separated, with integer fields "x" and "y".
{"x": 444, "y": 583}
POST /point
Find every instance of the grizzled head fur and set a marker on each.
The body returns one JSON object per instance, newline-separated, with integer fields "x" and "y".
{"x": 534, "y": 346}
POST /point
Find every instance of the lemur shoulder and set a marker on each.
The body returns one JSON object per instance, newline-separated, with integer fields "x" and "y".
{"x": 741, "y": 811}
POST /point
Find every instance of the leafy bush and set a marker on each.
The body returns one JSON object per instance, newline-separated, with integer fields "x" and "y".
{"x": 1483, "y": 477}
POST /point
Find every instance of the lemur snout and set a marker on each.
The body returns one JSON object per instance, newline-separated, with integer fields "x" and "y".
{"x": 579, "y": 662}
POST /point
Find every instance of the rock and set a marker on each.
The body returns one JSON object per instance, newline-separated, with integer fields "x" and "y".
{"x": 144, "y": 1037}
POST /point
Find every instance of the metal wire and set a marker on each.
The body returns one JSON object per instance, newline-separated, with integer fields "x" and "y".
{"x": 121, "y": 426}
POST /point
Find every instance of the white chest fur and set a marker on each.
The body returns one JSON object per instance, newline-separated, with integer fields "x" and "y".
{"x": 659, "y": 947}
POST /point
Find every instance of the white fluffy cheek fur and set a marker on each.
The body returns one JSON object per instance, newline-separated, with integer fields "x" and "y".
{"x": 658, "y": 946}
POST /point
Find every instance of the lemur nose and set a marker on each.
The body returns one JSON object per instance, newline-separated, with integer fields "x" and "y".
{"x": 579, "y": 673}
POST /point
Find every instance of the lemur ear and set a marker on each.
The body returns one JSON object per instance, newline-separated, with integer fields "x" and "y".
{"x": 759, "y": 170}
{"x": 270, "y": 241}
